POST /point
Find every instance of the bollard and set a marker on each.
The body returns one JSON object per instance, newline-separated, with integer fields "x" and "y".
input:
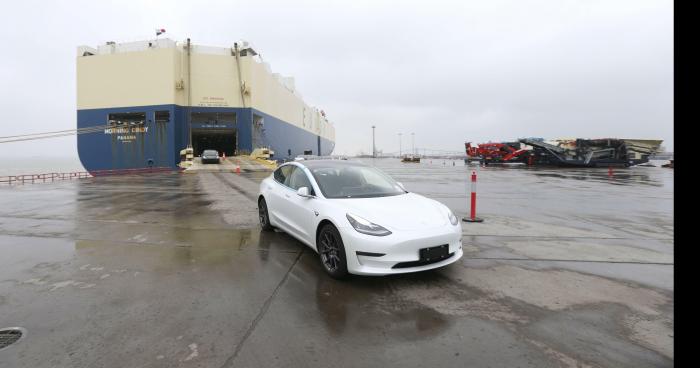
{"x": 472, "y": 216}
{"x": 610, "y": 171}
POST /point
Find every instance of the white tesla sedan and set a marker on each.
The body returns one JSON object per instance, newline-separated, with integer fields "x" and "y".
{"x": 358, "y": 219}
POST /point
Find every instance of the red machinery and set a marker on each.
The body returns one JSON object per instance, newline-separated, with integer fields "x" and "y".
{"x": 496, "y": 152}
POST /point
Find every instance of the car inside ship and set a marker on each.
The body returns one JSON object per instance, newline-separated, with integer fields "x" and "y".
{"x": 215, "y": 131}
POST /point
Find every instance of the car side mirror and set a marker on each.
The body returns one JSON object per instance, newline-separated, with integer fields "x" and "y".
{"x": 304, "y": 192}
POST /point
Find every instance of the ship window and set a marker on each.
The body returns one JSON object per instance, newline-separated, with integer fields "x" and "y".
{"x": 162, "y": 116}
{"x": 127, "y": 118}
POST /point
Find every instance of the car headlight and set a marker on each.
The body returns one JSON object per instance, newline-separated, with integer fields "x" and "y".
{"x": 452, "y": 217}
{"x": 365, "y": 227}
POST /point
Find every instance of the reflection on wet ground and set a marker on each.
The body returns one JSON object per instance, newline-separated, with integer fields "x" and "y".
{"x": 570, "y": 268}
{"x": 617, "y": 177}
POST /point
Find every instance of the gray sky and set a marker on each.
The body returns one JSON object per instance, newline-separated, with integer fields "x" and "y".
{"x": 448, "y": 71}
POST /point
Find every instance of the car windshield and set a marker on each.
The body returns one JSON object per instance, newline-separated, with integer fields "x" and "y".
{"x": 210, "y": 153}
{"x": 347, "y": 181}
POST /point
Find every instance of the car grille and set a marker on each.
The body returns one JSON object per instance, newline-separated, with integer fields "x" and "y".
{"x": 421, "y": 263}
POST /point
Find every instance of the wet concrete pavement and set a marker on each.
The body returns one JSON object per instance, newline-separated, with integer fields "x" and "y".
{"x": 570, "y": 268}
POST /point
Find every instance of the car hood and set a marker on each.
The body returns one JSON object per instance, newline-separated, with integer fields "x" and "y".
{"x": 401, "y": 212}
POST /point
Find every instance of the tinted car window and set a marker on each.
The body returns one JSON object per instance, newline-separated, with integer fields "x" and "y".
{"x": 283, "y": 173}
{"x": 299, "y": 179}
{"x": 346, "y": 181}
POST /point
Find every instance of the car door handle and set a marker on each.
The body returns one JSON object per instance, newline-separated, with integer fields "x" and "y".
{"x": 286, "y": 195}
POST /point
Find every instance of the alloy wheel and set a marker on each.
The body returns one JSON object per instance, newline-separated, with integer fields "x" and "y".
{"x": 262, "y": 213}
{"x": 329, "y": 251}
{"x": 264, "y": 216}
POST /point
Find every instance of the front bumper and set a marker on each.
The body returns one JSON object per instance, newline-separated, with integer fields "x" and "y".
{"x": 399, "y": 247}
{"x": 210, "y": 160}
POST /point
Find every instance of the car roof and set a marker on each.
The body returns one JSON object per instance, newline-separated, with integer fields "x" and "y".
{"x": 318, "y": 164}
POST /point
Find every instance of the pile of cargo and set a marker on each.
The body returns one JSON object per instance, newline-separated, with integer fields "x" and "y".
{"x": 577, "y": 152}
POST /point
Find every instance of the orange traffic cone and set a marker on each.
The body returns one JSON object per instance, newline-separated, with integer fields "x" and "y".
{"x": 238, "y": 169}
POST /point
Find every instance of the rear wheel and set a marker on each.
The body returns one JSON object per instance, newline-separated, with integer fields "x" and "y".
{"x": 331, "y": 252}
{"x": 264, "y": 215}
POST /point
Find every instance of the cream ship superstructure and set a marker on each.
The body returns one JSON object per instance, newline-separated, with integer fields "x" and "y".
{"x": 156, "y": 97}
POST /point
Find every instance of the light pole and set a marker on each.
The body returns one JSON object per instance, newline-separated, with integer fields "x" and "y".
{"x": 374, "y": 150}
{"x": 399, "y": 145}
{"x": 413, "y": 144}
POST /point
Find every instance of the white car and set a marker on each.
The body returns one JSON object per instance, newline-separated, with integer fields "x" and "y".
{"x": 358, "y": 219}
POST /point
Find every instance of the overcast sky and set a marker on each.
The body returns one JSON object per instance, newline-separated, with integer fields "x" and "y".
{"x": 449, "y": 72}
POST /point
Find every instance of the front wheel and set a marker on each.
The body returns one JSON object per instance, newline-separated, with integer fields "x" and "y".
{"x": 332, "y": 252}
{"x": 264, "y": 215}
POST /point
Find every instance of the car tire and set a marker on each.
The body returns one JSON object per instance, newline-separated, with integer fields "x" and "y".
{"x": 264, "y": 215}
{"x": 331, "y": 252}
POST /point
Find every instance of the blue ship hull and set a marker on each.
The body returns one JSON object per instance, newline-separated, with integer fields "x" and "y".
{"x": 158, "y": 144}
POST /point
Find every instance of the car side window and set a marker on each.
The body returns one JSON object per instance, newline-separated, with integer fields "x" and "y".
{"x": 299, "y": 179}
{"x": 288, "y": 177}
{"x": 282, "y": 174}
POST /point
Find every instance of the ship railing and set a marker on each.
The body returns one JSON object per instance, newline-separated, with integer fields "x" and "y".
{"x": 51, "y": 177}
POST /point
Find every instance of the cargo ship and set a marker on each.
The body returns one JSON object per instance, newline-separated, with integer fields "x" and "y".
{"x": 575, "y": 152}
{"x": 141, "y": 103}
